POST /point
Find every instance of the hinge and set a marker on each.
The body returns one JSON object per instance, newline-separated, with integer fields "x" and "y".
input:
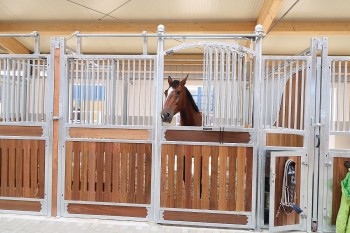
{"x": 328, "y": 164}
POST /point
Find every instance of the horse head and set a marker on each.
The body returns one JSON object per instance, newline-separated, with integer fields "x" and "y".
{"x": 175, "y": 99}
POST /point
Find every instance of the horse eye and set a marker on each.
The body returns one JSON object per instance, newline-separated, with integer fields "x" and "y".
{"x": 166, "y": 92}
{"x": 177, "y": 92}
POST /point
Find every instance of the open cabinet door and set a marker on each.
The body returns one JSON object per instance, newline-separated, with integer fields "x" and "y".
{"x": 281, "y": 217}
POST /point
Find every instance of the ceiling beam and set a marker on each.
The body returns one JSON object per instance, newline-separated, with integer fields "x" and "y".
{"x": 13, "y": 46}
{"x": 268, "y": 13}
{"x": 282, "y": 28}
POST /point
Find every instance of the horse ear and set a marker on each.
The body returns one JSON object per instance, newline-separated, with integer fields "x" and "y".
{"x": 170, "y": 80}
{"x": 183, "y": 81}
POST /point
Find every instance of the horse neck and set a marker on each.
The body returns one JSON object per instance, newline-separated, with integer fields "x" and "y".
{"x": 190, "y": 117}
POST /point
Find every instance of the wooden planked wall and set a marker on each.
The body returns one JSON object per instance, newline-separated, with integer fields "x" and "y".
{"x": 206, "y": 177}
{"x": 108, "y": 172}
{"x": 22, "y": 168}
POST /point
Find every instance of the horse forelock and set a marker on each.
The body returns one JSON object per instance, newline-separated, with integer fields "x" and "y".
{"x": 174, "y": 84}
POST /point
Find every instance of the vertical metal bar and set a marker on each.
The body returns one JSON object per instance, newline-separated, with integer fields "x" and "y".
{"x": 338, "y": 95}
{"x": 28, "y": 81}
{"x": 227, "y": 92}
{"x": 2, "y": 80}
{"x": 75, "y": 62}
{"x": 139, "y": 92}
{"x": 6, "y": 89}
{"x": 234, "y": 89}
{"x": 290, "y": 93}
{"x": 17, "y": 101}
{"x": 284, "y": 88}
{"x": 150, "y": 91}
{"x": 239, "y": 88}
{"x": 32, "y": 94}
{"x": 93, "y": 100}
{"x": 244, "y": 97}
{"x": 87, "y": 92}
{"x": 132, "y": 96}
{"x": 103, "y": 93}
{"x": 98, "y": 92}
{"x": 296, "y": 94}
{"x": 332, "y": 96}
{"x": 113, "y": 93}
{"x": 108, "y": 86}
{"x": 278, "y": 93}
{"x": 272, "y": 94}
{"x": 251, "y": 91}
{"x": 123, "y": 94}
{"x": 345, "y": 93}
{"x": 82, "y": 93}
{"x": 70, "y": 91}
{"x": 24, "y": 74}
{"x": 117, "y": 94}
{"x": 37, "y": 91}
{"x": 302, "y": 96}
{"x": 12, "y": 93}
{"x": 144, "y": 92}
{"x": 126, "y": 98}
{"x": 216, "y": 71}
{"x": 221, "y": 68}
{"x": 265, "y": 99}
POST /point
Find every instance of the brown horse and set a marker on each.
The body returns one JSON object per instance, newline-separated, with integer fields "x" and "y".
{"x": 179, "y": 99}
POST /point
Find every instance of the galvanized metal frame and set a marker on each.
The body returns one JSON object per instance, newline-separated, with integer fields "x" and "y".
{"x": 45, "y": 123}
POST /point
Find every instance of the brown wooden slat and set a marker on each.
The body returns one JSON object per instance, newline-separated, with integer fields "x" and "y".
{"x": 107, "y": 194}
{"x": 84, "y": 149}
{"x": 12, "y": 167}
{"x": 20, "y": 205}
{"x": 132, "y": 168}
{"x": 179, "y": 175}
{"x": 9, "y": 130}
{"x": 91, "y": 171}
{"x": 213, "y": 204}
{"x": 206, "y": 136}
{"x": 197, "y": 152}
{"x": 99, "y": 171}
{"x": 124, "y": 172}
{"x": 76, "y": 170}
{"x": 231, "y": 202}
{"x": 26, "y": 168}
{"x": 108, "y": 133}
{"x": 68, "y": 171}
{"x": 205, "y": 217}
{"x": 223, "y": 151}
{"x": 140, "y": 173}
{"x": 125, "y": 211}
{"x": 4, "y": 167}
{"x": 241, "y": 159}
{"x": 19, "y": 168}
{"x": 116, "y": 172}
{"x": 171, "y": 175}
{"x": 249, "y": 179}
{"x": 148, "y": 173}
{"x": 188, "y": 176}
{"x": 206, "y": 153}
{"x": 287, "y": 140}
{"x": 164, "y": 195}
{"x": 41, "y": 169}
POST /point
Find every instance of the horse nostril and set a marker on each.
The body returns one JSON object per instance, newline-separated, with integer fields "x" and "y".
{"x": 168, "y": 114}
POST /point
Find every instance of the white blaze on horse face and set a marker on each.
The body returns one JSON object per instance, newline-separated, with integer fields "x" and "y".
{"x": 169, "y": 91}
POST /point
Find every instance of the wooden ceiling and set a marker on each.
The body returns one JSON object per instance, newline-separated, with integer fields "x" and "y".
{"x": 289, "y": 24}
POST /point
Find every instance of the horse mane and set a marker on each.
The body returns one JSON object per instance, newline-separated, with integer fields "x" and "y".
{"x": 194, "y": 105}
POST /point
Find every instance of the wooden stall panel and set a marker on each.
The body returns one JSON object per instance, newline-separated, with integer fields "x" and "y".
{"x": 22, "y": 168}
{"x": 108, "y": 172}
{"x": 206, "y": 177}
{"x": 293, "y": 218}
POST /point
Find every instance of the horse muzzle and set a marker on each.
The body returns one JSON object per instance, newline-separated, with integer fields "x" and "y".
{"x": 166, "y": 117}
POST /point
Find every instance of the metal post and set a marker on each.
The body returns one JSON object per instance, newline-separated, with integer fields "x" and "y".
{"x": 145, "y": 43}
{"x": 157, "y": 126}
{"x": 36, "y": 42}
{"x": 258, "y": 151}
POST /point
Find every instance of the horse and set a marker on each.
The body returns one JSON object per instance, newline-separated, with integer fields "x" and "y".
{"x": 179, "y": 99}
